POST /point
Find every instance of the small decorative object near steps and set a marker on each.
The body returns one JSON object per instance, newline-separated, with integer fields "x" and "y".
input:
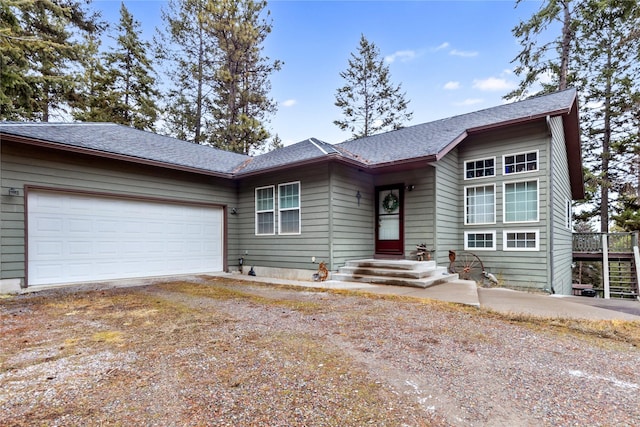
{"x": 323, "y": 272}
{"x": 423, "y": 254}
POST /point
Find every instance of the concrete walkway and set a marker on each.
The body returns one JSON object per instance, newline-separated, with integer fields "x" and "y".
{"x": 497, "y": 299}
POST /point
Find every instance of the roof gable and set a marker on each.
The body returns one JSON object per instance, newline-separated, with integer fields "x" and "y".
{"x": 306, "y": 151}
{"x": 434, "y": 139}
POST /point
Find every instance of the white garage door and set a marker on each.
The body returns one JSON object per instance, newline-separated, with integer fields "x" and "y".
{"x": 73, "y": 238}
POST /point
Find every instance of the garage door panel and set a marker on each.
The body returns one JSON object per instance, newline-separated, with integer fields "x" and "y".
{"x": 78, "y": 238}
{"x": 80, "y": 249}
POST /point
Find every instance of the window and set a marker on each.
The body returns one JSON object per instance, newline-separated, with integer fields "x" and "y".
{"x": 521, "y": 240}
{"x": 521, "y": 201}
{"x": 289, "y": 208}
{"x": 479, "y": 168}
{"x": 480, "y": 206}
{"x": 520, "y": 163}
{"x": 265, "y": 210}
{"x": 480, "y": 240}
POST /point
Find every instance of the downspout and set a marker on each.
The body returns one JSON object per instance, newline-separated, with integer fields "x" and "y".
{"x": 331, "y": 213}
{"x": 550, "y": 204}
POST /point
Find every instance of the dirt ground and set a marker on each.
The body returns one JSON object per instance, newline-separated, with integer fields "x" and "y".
{"x": 217, "y": 352}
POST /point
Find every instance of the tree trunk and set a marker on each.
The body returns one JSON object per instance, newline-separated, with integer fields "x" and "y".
{"x": 566, "y": 46}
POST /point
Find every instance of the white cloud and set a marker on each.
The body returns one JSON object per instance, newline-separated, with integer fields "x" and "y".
{"x": 469, "y": 101}
{"x": 402, "y": 55}
{"x": 289, "y": 103}
{"x": 493, "y": 84}
{"x": 442, "y": 46}
{"x": 463, "y": 53}
{"x": 451, "y": 85}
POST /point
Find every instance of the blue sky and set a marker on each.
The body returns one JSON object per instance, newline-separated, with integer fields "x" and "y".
{"x": 451, "y": 57}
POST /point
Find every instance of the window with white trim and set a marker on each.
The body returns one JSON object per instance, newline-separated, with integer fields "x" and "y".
{"x": 521, "y": 201}
{"x": 289, "y": 208}
{"x": 265, "y": 210}
{"x": 480, "y": 240}
{"x": 520, "y": 163}
{"x": 521, "y": 240}
{"x": 480, "y": 204}
{"x": 481, "y": 168}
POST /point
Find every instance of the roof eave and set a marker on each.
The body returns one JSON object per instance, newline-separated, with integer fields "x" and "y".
{"x": 403, "y": 164}
{"x": 285, "y": 166}
{"x": 571, "y": 125}
{"x": 109, "y": 155}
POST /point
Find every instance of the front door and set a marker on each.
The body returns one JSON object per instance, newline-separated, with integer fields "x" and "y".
{"x": 389, "y": 224}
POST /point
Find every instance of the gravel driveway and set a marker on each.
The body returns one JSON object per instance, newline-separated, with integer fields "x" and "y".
{"x": 223, "y": 353}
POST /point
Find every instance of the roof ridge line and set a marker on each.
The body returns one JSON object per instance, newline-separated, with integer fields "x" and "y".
{"x": 318, "y": 146}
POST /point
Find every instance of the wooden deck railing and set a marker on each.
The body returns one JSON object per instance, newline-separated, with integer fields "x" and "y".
{"x": 592, "y": 242}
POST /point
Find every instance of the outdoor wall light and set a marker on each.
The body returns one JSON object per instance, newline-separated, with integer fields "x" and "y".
{"x": 14, "y": 192}
{"x": 410, "y": 187}
{"x": 358, "y": 196}
{"x": 234, "y": 211}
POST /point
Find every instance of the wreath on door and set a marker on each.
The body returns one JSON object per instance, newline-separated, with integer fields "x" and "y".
{"x": 390, "y": 203}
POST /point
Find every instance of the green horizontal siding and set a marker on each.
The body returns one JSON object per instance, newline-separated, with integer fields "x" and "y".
{"x": 352, "y": 225}
{"x": 22, "y": 165}
{"x": 562, "y": 253}
{"x": 286, "y": 251}
{"x": 523, "y": 269}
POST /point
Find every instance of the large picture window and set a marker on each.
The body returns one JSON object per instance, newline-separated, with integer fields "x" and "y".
{"x": 521, "y": 201}
{"x": 480, "y": 205}
{"x": 480, "y": 168}
{"x": 265, "y": 210}
{"x": 289, "y": 208}
{"x": 521, "y": 240}
{"x": 519, "y": 163}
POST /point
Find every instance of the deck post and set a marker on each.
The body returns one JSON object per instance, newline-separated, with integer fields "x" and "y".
{"x": 605, "y": 265}
{"x": 636, "y": 255}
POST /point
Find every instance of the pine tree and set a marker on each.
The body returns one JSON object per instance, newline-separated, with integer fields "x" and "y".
{"x": 130, "y": 77}
{"x": 369, "y": 102}
{"x": 545, "y": 67}
{"x": 95, "y": 99}
{"x": 608, "y": 76}
{"x": 592, "y": 52}
{"x": 15, "y": 90}
{"x": 41, "y": 55}
{"x": 241, "y": 103}
{"x": 189, "y": 50}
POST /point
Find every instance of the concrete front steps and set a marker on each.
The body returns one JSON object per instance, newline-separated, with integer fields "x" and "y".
{"x": 419, "y": 274}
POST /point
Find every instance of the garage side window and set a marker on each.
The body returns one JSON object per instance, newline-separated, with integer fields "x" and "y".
{"x": 289, "y": 208}
{"x": 265, "y": 210}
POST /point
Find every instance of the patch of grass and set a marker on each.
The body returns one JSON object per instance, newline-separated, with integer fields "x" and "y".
{"x": 109, "y": 337}
{"x": 225, "y": 292}
{"x": 620, "y": 331}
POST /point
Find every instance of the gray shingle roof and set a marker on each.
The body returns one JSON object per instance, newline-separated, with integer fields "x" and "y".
{"x": 303, "y": 151}
{"x": 420, "y": 141}
{"x": 429, "y": 139}
{"x": 111, "y": 138}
